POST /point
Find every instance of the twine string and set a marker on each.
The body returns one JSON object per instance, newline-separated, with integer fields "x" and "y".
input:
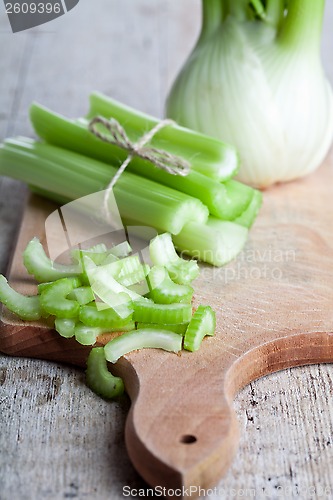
{"x": 117, "y": 136}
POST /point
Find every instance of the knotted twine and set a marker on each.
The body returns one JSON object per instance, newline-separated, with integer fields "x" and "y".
{"x": 117, "y": 136}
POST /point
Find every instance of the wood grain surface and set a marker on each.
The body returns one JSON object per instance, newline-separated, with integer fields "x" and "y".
{"x": 53, "y": 428}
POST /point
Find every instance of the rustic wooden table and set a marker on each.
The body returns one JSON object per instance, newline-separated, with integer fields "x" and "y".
{"x": 58, "y": 440}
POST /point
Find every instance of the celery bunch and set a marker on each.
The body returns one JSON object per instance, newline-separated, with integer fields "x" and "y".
{"x": 207, "y": 212}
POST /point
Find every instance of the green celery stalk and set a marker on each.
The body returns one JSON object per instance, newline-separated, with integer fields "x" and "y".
{"x": 216, "y": 242}
{"x": 74, "y": 135}
{"x": 72, "y": 176}
{"x": 207, "y": 155}
{"x": 202, "y": 323}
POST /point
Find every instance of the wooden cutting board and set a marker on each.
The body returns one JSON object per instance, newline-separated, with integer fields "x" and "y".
{"x": 274, "y": 307}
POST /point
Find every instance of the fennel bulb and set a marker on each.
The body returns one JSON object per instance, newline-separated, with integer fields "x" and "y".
{"x": 255, "y": 80}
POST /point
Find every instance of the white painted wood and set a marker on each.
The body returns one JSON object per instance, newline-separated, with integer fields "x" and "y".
{"x": 57, "y": 439}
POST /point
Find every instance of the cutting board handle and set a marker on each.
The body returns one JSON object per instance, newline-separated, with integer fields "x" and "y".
{"x": 182, "y": 431}
{"x": 177, "y": 437}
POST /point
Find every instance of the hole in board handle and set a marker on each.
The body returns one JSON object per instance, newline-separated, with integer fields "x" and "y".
{"x": 188, "y": 439}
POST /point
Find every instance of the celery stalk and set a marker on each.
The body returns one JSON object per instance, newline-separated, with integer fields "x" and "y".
{"x": 42, "y": 267}
{"x": 247, "y": 218}
{"x": 202, "y": 323}
{"x": 148, "y": 312}
{"x": 68, "y": 174}
{"x": 216, "y": 242}
{"x": 212, "y": 193}
{"x": 206, "y": 154}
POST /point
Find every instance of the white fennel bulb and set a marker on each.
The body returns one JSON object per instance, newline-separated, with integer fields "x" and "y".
{"x": 255, "y": 80}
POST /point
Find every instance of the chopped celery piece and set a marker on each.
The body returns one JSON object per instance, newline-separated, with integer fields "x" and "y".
{"x": 43, "y": 286}
{"x": 53, "y": 299}
{"x": 106, "y": 318}
{"x": 108, "y": 289}
{"x": 133, "y": 278}
{"x": 87, "y": 335}
{"x": 202, "y": 323}
{"x": 98, "y": 377}
{"x": 104, "y": 276}
{"x": 183, "y": 271}
{"x": 164, "y": 290}
{"x": 216, "y": 242}
{"x": 125, "y": 269}
{"x": 42, "y": 267}
{"x": 70, "y": 175}
{"x": 132, "y": 271}
{"x": 121, "y": 250}
{"x": 247, "y": 218}
{"x": 141, "y": 339}
{"x": 163, "y": 253}
{"x": 120, "y": 302}
{"x": 207, "y": 155}
{"x": 97, "y": 254}
{"x": 145, "y": 312}
{"x": 83, "y": 295}
{"x": 179, "y": 328}
{"x": 65, "y": 327}
{"x": 109, "y": 259}
{"x": 26, "y": 308}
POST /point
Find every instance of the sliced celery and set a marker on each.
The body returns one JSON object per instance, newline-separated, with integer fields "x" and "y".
{"x": 141, "y": 339}
{"x": 26, "y": 308}
{"x": 67, "y": 174}
{"x": 216, "y": 242}
{"x": 164, "y": 290}
{"x": 132, "y": 272}
{"x": 145, "y": 312}
{"x": 87, "y": 335}
{"x": 65, "y": 327}
{"x": 106, "y": 318}
{"x": 42, "y": 267}
{"x": 163, "y": 253}
{"x": 53, "y": 299}
{"x": 202, "y": 323}
{"x": 121, "y": 250}
{"x": 43, "y": 286}
{"x": 247, "y": 218}
{"x": 179, "y": 328}
{"x": 98, "y": 253}
{"x": 98, "y": 377}
{"x": 83, "y": 295}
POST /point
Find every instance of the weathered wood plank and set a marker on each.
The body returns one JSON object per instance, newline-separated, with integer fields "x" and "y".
{"x": 58, "y": 440}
